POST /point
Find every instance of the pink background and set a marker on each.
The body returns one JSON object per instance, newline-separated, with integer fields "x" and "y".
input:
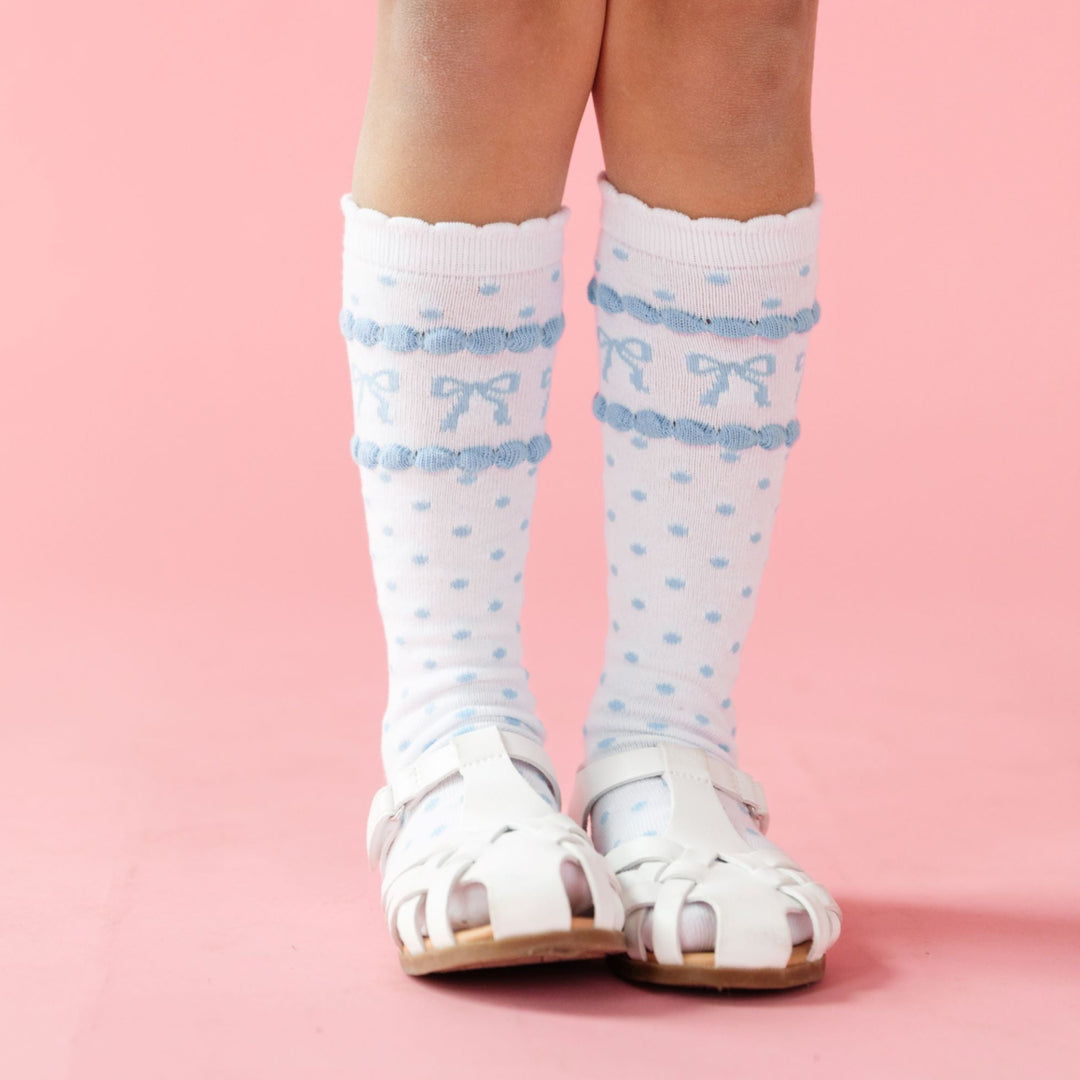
{"x": 190, "y": 663}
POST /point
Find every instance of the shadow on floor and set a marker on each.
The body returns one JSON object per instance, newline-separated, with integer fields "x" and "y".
{"x": 882, "y": 941}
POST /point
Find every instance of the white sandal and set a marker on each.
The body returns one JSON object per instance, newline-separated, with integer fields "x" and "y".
{"x": 702, "y": 858}
{"x": 511, "y": 842}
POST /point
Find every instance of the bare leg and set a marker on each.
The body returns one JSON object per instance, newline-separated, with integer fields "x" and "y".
{"x": 704, "y": 105}
{"x": 474, "y": 105}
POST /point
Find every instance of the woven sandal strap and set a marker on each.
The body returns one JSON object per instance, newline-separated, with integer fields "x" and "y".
{"x": 607, "y": 773}
{"x": 436, "y": 765}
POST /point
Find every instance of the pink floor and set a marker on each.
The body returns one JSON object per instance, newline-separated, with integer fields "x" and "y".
{"x": 190, "y": 665}
{"x": 184, "y": 892}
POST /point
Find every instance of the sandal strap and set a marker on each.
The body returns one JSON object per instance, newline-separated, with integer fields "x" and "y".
{"x": 436, "y": 765}
{"x": 612, "y": 771}
{"x": 702, "y": 858}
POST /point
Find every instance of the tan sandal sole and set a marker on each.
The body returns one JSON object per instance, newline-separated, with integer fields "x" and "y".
{"x": 698, "y": 971}
{"x": 477, "y": 948}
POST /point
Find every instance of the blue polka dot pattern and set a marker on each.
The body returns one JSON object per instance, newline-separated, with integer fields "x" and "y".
{"x": 475, "y": 341}
{"x": 699, "y": 368}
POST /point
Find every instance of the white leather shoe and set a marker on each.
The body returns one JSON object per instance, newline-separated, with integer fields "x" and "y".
{"x": 701, "y": 858}
{"x": 510, "y": 841}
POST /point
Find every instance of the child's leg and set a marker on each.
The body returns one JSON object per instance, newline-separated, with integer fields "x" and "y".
{"x": 704, "y": 111}
{"x": 451, "y": 323}
{"x": 704, "y": 106}
{"x": 473, "y": 107}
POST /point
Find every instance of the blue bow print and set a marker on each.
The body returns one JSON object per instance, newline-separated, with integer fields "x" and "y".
{"x": 631, "y": 351}
{"x": 753, "y": 371}
{"x": 378, "y": 384}
{"x": 495, "y": 390}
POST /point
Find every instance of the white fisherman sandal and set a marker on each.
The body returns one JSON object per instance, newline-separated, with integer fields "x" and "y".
{"x": 511, "y": 842}
{"x": 702, "y": 858}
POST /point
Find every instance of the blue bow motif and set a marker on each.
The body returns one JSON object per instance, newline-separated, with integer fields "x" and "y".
{"x": 495, "y": 390}
{"x": 753, "y": 371}
{"x": 378, "y": 384}
{"x": 632, "y": 351}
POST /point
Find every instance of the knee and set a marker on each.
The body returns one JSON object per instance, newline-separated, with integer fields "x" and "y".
{"x": 477, "y": 48}
{"x": 751, "y": 66}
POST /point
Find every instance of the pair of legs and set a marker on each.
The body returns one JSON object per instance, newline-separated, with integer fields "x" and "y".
{"x": 704, "y": 288}
{"x": 703, "y": 106}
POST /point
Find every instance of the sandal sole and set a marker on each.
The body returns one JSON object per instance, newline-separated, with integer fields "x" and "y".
{"x": 699, "y": 973}
{"x": 477, "y": 949}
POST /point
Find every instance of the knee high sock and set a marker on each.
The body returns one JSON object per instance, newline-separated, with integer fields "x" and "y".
{"x": 702, "y": 326}
{"x": 451, "y": 332}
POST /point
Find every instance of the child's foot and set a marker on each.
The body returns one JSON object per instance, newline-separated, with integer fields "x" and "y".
{"x": 479, "y": 867}
{"x": 709, "y": 901}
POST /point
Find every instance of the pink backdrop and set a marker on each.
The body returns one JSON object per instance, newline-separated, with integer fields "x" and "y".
{"x": 190, "y": 663}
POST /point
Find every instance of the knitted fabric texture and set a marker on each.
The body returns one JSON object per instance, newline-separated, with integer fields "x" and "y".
{"x": 451, "y": 332}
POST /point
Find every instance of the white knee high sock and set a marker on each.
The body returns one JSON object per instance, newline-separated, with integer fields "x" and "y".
{"x": 451, "y": 332}
{"x": 702, "y": 325}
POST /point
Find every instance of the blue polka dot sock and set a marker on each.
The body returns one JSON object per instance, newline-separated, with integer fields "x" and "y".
{"x": 451, "y": 333}
{"x": 702, "y": 327}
